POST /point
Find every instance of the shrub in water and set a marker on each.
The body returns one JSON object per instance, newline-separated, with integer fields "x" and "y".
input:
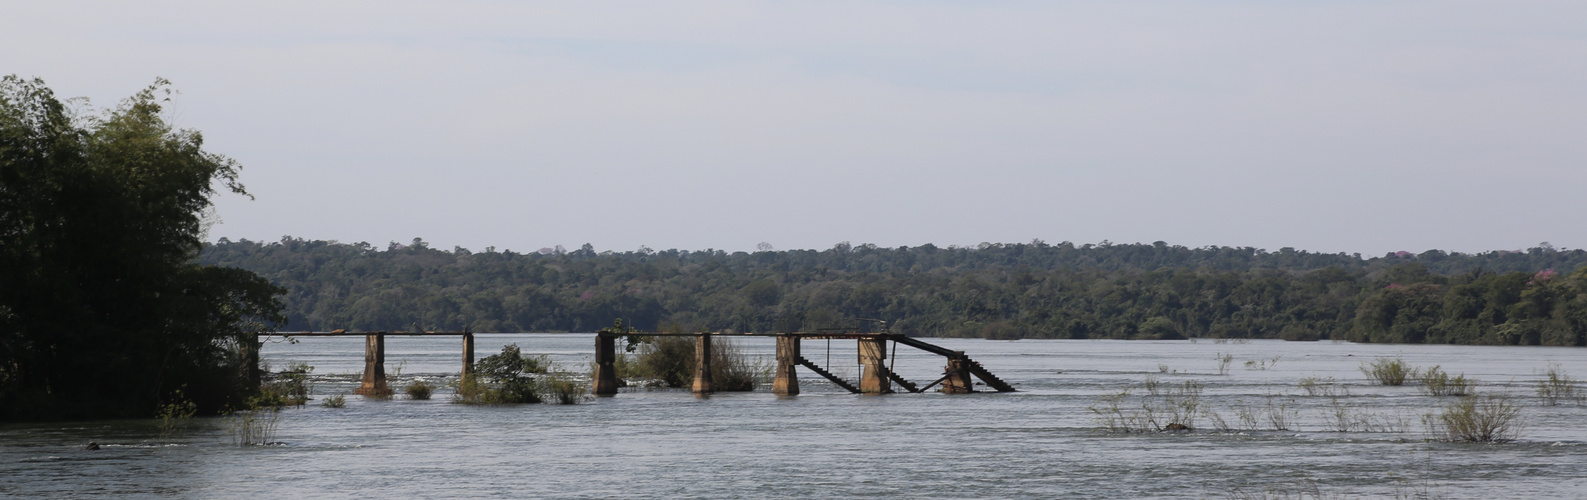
{"x": 336, "y": 401}
{"x": 1480, "y": 419}
{"x": 419, "y": 389}
{"x": 1557, "y": 386}
{"x": 1386, "y": 371}
{"x": 1437, "y": 382}
{"x": 502, "y": 379}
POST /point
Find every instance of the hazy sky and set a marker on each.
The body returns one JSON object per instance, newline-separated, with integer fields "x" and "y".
{"x": 1336, "y": 126}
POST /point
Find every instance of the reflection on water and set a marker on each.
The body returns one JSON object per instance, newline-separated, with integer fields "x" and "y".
{"x": 1042, "y": 441}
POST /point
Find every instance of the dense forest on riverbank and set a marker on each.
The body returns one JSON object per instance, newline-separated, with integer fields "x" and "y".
{"x": 1029, "y": 290}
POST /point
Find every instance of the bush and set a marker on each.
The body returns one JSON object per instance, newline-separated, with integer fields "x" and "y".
{"x": 1438, "y": 383}
{"x": 1479, "y": 419}
{"x": 336, "y": 401}
{"x": 419, "y": 390}
{"x": 503, "y": 378}
{"x": 561, "y": 388}
{"x": 1557, "y": 386}
{"x": 289, "y": 387}
{"x": 253, "y": 427}
{"x": 669, "y": 362}
{"x": 1385, "y": 371}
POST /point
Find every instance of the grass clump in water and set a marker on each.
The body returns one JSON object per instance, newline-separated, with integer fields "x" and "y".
{"x": 1387, "y": 371}
{"x": 1165, "y": 407}
{"x": 334, "y": 401}
{"x": 1557, "y": 386}
{"x": 419, "y": 389}
{"x": 1437, "y": 382}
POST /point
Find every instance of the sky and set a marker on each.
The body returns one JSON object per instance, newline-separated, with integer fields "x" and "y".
{"x": 1332, "y": 126}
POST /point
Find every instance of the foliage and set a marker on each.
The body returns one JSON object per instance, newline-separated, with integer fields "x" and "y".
{"x": 1033, "y": 290}
{"x": 419, "y": 389}
{"x": 289, "y": 387}
{"x": 175, "y": 414}
{"x": 253, "y": 427}
{"x": 512, "y": 378}
{"x": 1388, "y": 371}
{"x": 334, "y": 401}
{"x": 1557, "y": 386}
{"x": 103, "y": 310}
{"x": 1438, "y": 383}
{"x": 1164, "y": 407}
{"x": 1481, "y": 419}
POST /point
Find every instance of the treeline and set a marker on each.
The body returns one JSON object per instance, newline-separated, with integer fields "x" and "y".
{"x": 1034, "y": 290}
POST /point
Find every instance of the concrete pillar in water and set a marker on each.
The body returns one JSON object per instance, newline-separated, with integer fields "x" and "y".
{"x": 374, "y": 367}
{"x": 468, "y": 353}
{"x": 605, "y": 383}
{"x": 702, "y": 365}
{"x": 873, "y": 355}
{"x": 958, "y": 372}
{"x": 786, "y": 382}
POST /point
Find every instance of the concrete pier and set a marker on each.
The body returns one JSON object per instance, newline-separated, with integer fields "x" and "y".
{"x": 873, "y": 357}
{"x": 958, "y": 375}
{"x": 786, "y": 380}
{"x": 702, "y": 365}
{"x": 605, "y": 380}
{"x": 374, "y": 383}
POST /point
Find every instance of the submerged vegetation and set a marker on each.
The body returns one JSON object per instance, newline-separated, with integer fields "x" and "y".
{"x": 667, "y": 361}
{"x": 1388, "y": 371}
{"x": 1158, "y": 406}
{"x": 509, "y": 377}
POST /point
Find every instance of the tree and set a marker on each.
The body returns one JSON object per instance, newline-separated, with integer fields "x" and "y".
{"x": 103, "y": 312}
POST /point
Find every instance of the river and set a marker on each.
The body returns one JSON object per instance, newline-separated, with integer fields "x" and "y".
{"x": 1044, "y": 441}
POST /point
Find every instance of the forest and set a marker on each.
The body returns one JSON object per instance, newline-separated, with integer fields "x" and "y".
{"x": 996, "y": 291}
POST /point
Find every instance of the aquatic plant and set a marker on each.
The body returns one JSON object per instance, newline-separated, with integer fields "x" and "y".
{"x": 1477, "y": 418}
{"x": 1437, "y": 382}
{"x": 419, "y": 389}
{"x": 1388, "y": 371}
{"x": 1167, "y": 407}
{"x": 175, "y": 414}
{"x": 334, "y": 401}
{"x": 561, "y": 387}
{"x": 1557, "y": 386}
{"x": 289, "y": 387}
{"x": 502, "y": 378}
{"x": 1223, "y": 362}
{"x": 253, "y": 427}
{"x": 1324, "y": 386}
{"x": 669, "y": 362}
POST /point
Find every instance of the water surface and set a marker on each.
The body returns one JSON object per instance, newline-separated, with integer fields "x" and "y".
{"x": 1044, "y": 441}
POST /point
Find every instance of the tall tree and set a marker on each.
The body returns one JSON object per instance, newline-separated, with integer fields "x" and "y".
{"x": 103, "y": 310}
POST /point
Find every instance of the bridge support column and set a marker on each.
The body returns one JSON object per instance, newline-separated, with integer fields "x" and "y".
{"x": 374, "y": 383}
{"x": 605, "y": 383}
{"x": 873, "y": 353}
{"x": 468, "y": 354}
{"x": 786, "y": 382}
{"x": 958, "y": 373}
{"x": 702, "y": 365}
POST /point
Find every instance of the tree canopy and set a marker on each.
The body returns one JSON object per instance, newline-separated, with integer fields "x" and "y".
{"x": 1026, "y": 290}
{"x": 103, "y": 310}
